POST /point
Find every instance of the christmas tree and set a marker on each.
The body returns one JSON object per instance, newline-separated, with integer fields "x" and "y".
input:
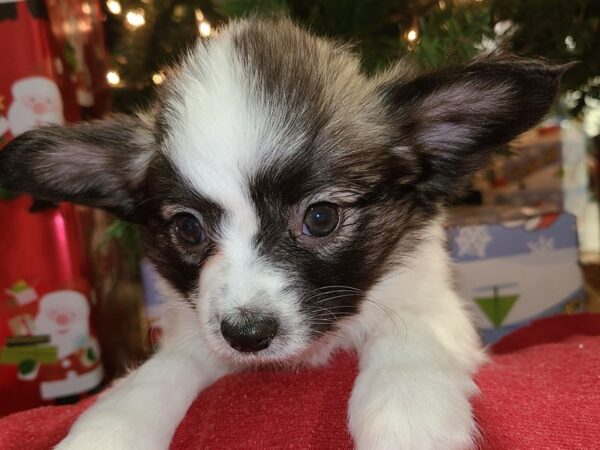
{"x": 145, "y": 36}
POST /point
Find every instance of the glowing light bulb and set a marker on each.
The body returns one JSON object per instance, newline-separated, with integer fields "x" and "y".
{"x": 136, "y": 18}
{"x": 412, "y": 35}
{"x": 158, "y": 78}
{"x": 204, "y": 28}
{"x": 114, "y": 6}
{"x": 113, "y": 78}
{"x": 570, "y": 43}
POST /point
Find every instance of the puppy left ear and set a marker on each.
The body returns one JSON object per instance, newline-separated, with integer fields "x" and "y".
{"x": 101, "y": 164}
{"x": 450, "y": 121}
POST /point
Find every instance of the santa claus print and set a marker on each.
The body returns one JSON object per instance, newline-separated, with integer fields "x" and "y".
{"x": 64, "y": 317}
{"x": 36, "y": 102}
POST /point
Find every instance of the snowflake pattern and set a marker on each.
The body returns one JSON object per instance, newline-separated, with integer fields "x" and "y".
{"x": 473, "y": 241}
{"x": 542, "y": 246}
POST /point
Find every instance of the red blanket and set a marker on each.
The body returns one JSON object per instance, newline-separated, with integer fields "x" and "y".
{"x": 542, "y": 390}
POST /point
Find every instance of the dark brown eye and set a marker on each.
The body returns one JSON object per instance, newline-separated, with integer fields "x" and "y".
{"x": 189, "y": 230}
{"x": 321, "y": 219}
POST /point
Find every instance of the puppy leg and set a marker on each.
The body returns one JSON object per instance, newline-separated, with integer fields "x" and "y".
{"x": 143, "y": 411}
{"x": 414, "y": 384}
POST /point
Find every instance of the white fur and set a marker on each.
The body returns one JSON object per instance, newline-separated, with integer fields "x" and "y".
{"x": 417, "y": 347}
{"x": 143, "y": 411}
{"x": 225, "y": 129}
{"x": 417, "y": 351}
{"x": 218, "y": 158}
{"x": 416, "y": 360}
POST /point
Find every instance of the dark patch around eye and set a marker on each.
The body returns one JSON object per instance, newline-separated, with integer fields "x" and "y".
{"x": 179, "y": 265}
{"x": 386, "y": 213}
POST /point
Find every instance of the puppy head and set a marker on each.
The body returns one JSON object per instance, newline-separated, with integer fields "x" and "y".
{"x": 275, "y": 182}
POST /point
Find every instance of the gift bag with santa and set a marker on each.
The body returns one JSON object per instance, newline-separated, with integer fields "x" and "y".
{"x": 48, "y": 350}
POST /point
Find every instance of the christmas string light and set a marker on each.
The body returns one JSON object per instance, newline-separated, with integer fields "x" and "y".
{"x": 412, "y": 34}
{"x": 158, "y": 78}
{"x": 114, "y": 7}
{"x": 570, "y": 43}
{"x": 113, "y": 78}
{"x": 204, "y": 27}
{"x": 136, "y": 18}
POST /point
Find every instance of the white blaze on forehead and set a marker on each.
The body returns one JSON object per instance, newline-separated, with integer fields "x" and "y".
{"x": 223, "y": 128}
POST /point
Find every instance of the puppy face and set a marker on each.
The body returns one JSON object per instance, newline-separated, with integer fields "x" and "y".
{"x": 276, "y": 183}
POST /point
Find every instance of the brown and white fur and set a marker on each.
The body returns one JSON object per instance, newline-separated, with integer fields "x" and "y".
{"x": 253, "y": 129}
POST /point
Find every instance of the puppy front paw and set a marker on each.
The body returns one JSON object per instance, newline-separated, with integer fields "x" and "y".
{"x": 411, "y": 417}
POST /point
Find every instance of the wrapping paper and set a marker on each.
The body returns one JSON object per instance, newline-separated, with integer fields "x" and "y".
{"x": 52, "y": 59}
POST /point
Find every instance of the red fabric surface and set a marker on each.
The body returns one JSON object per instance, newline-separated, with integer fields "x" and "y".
{"x": 546, "y": 394}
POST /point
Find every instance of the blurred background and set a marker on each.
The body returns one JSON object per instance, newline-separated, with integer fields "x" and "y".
{"x": 526, "y": 238}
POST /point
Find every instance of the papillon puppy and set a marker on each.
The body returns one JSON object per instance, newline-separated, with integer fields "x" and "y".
{"x": 293, "y": 206}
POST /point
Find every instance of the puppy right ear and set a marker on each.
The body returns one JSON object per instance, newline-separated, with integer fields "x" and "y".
{"x": 102, "y": 164}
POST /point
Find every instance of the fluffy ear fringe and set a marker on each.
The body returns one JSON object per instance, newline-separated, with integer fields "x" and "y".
{"x": 451, "y": 120}
{"x": 101, "y": 164}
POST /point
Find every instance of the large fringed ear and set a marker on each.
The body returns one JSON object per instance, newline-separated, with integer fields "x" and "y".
{"x": 449, "y": 121}
{"x": 101, "y": 163}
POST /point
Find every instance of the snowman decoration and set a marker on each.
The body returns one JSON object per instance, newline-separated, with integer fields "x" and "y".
{"x": 63, "y": 316}
{"x": 36, "y": 102}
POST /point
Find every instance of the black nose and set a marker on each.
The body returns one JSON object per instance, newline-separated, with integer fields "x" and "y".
{"x": 249, "y": 333}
